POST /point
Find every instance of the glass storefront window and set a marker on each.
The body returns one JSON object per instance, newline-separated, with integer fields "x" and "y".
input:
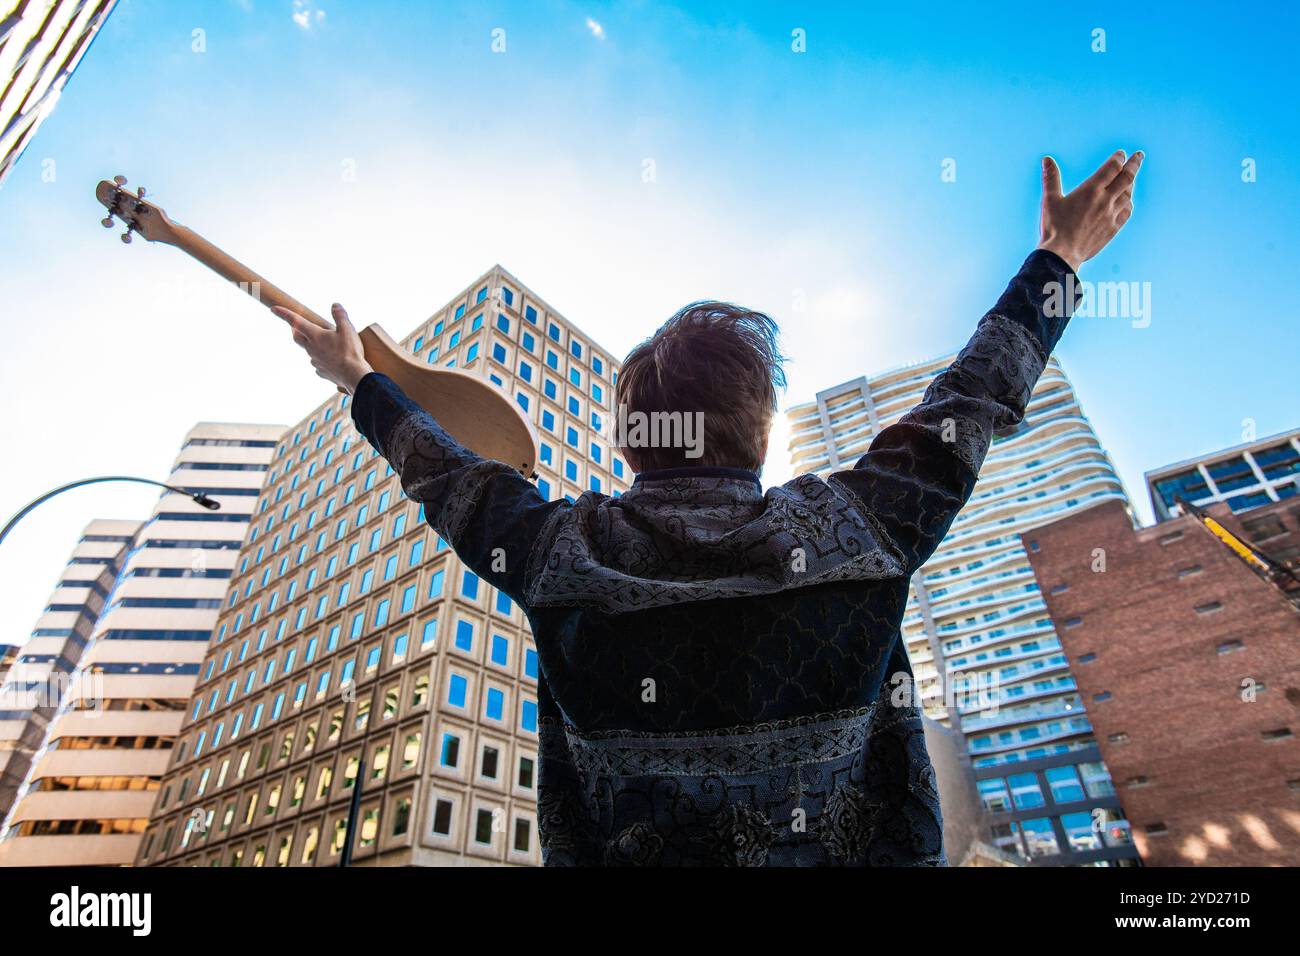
{"x": 1040, "y": 838}
{"x": 1079, "y": 832}
{"x": 1006, "y": 837}
{"x": 994, "y": 794}
{"x": 1115, "y": 829}
{"x": 1096, "y": 780}
{"x": 1025, "y": 791}
{"x": 1065, "y": 785}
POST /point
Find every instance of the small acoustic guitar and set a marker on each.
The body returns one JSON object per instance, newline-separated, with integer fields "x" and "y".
{"x": 472, "y": 410}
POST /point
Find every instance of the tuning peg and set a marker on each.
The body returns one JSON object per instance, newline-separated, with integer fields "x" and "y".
{"x": 120, "y": 180}
{"x": 126, "y": 237}
{"x": 107, "y": 222}
{"x": 139, "y": 193}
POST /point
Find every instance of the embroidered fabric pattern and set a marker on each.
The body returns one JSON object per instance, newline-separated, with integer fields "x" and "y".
{"x": 700, "y": 539}
{"x": 841, "y": 789}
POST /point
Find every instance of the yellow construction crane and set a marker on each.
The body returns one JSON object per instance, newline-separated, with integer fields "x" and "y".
{"x": 1266, "y": 567}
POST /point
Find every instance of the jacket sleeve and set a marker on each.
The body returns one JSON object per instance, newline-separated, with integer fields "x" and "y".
{"x": 920, "y": 471}
{"x": 489, "y": 513}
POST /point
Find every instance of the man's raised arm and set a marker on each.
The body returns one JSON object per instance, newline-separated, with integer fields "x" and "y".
{"x": 486, "y": 510}
{"x": 920, "y": 471}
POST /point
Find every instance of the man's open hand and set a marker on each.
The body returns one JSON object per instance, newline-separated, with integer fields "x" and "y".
{"x": 335, "y": 353}
{"x": 1077, "y": 226}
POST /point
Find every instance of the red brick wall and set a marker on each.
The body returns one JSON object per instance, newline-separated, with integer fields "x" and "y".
{"x": 1224, "y": 792}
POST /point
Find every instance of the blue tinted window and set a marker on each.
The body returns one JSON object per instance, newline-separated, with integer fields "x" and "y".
{"x": 500, "y": 650}
{"x": 528, "y": 716}
{"x": 464, "y": 635}
{"x": 457, "y": 688}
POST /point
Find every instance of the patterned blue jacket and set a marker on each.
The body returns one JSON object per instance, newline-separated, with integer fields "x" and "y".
{"x": 719, "y": 666}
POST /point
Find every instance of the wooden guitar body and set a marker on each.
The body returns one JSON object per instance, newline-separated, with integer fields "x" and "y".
{"x": 475, "y": 412}
{"x": 470, "y": 408}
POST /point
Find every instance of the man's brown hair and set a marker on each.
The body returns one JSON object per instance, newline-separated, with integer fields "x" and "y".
{"x": 713, "y": 358}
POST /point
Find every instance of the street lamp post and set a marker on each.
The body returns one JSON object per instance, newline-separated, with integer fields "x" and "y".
{"x": 197, "y": 497}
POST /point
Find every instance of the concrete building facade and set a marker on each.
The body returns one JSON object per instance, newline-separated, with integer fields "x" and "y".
{"x": 355, "y": 650}
{"x": 87, "y": 795}
{"x": 976, "y": 623}
{"x": 44, "y": 667}
{"x": 1186, "y": 658}
{"x": 41, "y": 43}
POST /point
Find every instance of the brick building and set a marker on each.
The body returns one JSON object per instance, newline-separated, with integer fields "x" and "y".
{"x": 1189, "y": 664}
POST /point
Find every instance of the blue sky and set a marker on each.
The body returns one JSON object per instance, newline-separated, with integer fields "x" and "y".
{"x": 805, "y": 184}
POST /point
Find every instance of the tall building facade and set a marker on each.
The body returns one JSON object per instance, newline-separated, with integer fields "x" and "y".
{"x": 1186, "y": 656}
{"x": 355, "y": 651}
{"x": 1243, "y": 477}
{"x": 44, "y": 667}
{"x": 41, "y": 43}
{"x": 87, "y": 795}
{"x": 976, "y": 624}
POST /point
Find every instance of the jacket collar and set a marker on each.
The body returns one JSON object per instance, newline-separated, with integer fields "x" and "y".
{"x": 699, "y": 471}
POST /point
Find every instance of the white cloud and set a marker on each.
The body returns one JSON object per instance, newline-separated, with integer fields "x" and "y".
{"x": 596, "y": 29}
{"x": 306, "y": 14}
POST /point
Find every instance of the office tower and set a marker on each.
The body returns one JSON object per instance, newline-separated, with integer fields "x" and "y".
{"x": 1245, "y": 476}
{"x": 43, "y": 668}
{"x": 975, "y": 613}
{"x": 355, "y": 650}
{"x": 88, "y": 793}
{"x": 1185, "y": 651}
{"x": 41, "y": 43}
{"x": 8, "y": 654}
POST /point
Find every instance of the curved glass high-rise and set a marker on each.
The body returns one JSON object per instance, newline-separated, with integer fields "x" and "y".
{"x": 976, "y": 621}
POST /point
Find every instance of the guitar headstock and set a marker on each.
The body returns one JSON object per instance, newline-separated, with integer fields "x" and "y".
{"x": 136, "y": 213}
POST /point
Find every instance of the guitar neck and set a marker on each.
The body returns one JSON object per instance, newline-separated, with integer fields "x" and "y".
{"x": 231, "y": 268}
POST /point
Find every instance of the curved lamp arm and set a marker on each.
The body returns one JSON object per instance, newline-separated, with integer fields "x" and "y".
{"x": 197, "y": 497}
